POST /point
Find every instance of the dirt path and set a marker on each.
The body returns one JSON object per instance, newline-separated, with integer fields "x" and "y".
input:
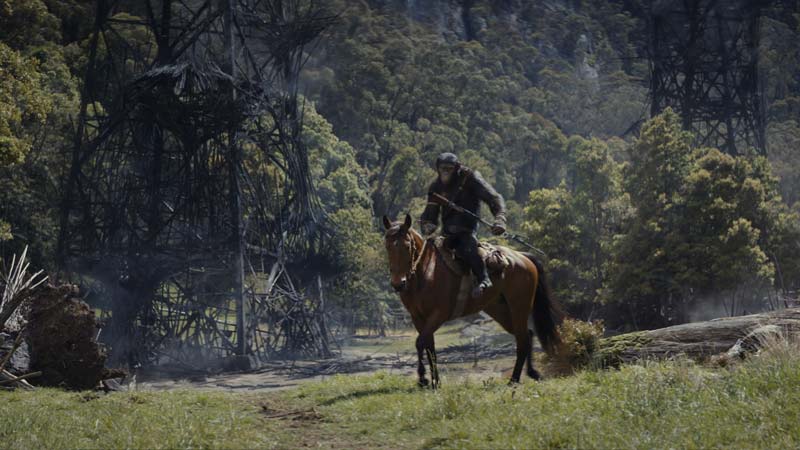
{"x": 476, "y": 349}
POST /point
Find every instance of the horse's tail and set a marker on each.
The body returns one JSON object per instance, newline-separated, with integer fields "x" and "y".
{"x": 547, "y": 313}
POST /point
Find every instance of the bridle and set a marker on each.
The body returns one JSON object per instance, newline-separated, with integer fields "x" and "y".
{"x": 416, "y": 256}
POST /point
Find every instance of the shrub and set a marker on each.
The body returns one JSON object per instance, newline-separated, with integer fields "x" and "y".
{"x": 579, "y": 343}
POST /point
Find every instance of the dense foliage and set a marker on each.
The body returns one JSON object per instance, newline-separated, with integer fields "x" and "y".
{"x": 38, "y": 97}
{"x": 641, "y": 230}
{"x": 641, "y": 227}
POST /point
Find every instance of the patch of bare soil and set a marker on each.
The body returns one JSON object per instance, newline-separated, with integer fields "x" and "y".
{"x": 273, "y": 375}
{"x": 486, "y": 354}
{"x": 308, "y": 423}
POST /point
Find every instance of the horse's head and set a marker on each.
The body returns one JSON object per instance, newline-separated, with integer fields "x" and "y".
{"x": 401, "y": 245}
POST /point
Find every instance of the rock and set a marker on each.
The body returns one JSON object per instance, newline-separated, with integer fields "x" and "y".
{"x": 112, "y": 385}
{"x": 20, "y": 363}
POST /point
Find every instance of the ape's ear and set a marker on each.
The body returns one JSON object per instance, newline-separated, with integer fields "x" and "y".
{"x": 386, "y": 222}
{"x": 407, "y": 223}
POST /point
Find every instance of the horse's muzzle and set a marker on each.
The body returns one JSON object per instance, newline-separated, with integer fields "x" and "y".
{"x": 399, "y": 286}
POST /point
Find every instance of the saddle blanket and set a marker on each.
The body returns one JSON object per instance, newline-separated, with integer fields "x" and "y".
{"x": 495, "y": 259}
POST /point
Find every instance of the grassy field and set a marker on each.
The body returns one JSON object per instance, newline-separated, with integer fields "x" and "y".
{"x": 677, "y": 404}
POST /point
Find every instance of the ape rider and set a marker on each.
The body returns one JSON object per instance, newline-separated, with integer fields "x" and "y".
{"x": 465, "y": 188}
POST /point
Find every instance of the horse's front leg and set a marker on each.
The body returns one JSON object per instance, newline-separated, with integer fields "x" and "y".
{"x": 431, "y": 350}
{"x": 426, "y": 344}
{"x": 422, "y": 381}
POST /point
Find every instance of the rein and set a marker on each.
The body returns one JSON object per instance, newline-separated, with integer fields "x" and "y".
{"x": 416, "y": 258}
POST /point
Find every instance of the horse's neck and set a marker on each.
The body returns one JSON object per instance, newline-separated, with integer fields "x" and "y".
{"x": 418, "y": 240}
{"x": 425, "y": 259}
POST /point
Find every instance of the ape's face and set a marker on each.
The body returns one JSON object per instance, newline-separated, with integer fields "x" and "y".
{"x": 446, "y": 172}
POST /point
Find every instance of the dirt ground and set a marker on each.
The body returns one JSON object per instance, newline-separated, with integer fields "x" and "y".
{"x": 476, "y": 349}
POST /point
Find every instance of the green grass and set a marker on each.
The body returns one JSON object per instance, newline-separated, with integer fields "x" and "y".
{"x": 677, "y": 404}
{"x": 53, "y": 419}
{"x": 657, "y": 405}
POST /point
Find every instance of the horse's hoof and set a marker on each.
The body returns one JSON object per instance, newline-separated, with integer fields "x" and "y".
{"x": 533, "y": 373}
{"x": 513, "y": 382}
{"x": 422, "y": 382}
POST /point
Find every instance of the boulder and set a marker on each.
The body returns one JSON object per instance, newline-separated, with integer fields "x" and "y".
{"x": 20, "y": 362}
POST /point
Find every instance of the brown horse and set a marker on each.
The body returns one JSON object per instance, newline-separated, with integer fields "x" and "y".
{"x": 429, "y": 290}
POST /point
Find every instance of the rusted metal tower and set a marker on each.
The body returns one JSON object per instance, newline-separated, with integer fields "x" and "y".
{"x": 704, "y": 64}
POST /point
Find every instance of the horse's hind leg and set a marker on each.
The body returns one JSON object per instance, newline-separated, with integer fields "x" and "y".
{"x": 523, "y": 350}
{"x": 533, "y": 373}
{"x": 520, "y": 302}
{"x": 501, "y": 313}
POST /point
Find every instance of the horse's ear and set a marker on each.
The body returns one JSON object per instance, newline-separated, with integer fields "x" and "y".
{"x": 386, "y": 222}
{"x": 407, "y": 223}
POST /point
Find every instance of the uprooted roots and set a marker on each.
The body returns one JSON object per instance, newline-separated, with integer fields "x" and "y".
{"x": 61, "y": 334}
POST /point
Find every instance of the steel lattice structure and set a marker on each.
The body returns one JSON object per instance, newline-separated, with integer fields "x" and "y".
{"x": 189, "y": 186}
{"x": 704, "y": 64}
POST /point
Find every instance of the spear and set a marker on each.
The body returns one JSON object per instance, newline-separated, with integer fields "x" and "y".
{"x": 507, "y": 234}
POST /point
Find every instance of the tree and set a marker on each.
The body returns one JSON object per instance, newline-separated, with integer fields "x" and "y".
{"x": 704, "y": 227}
{"x": 360, "y": 293}
{"x": 37, "y": 96}
{"x": 27, "y": 23}
{"x": 721, "y": 239}
{"x": 643, "y": 267}
{"x": 576, "y": 223}
{"x": 24, "y": 106}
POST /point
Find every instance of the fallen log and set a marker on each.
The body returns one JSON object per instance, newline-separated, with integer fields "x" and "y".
{"x": 13, "y": 379}
{"x": 7, "y": 377}
{"x": 697, "y": 340}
